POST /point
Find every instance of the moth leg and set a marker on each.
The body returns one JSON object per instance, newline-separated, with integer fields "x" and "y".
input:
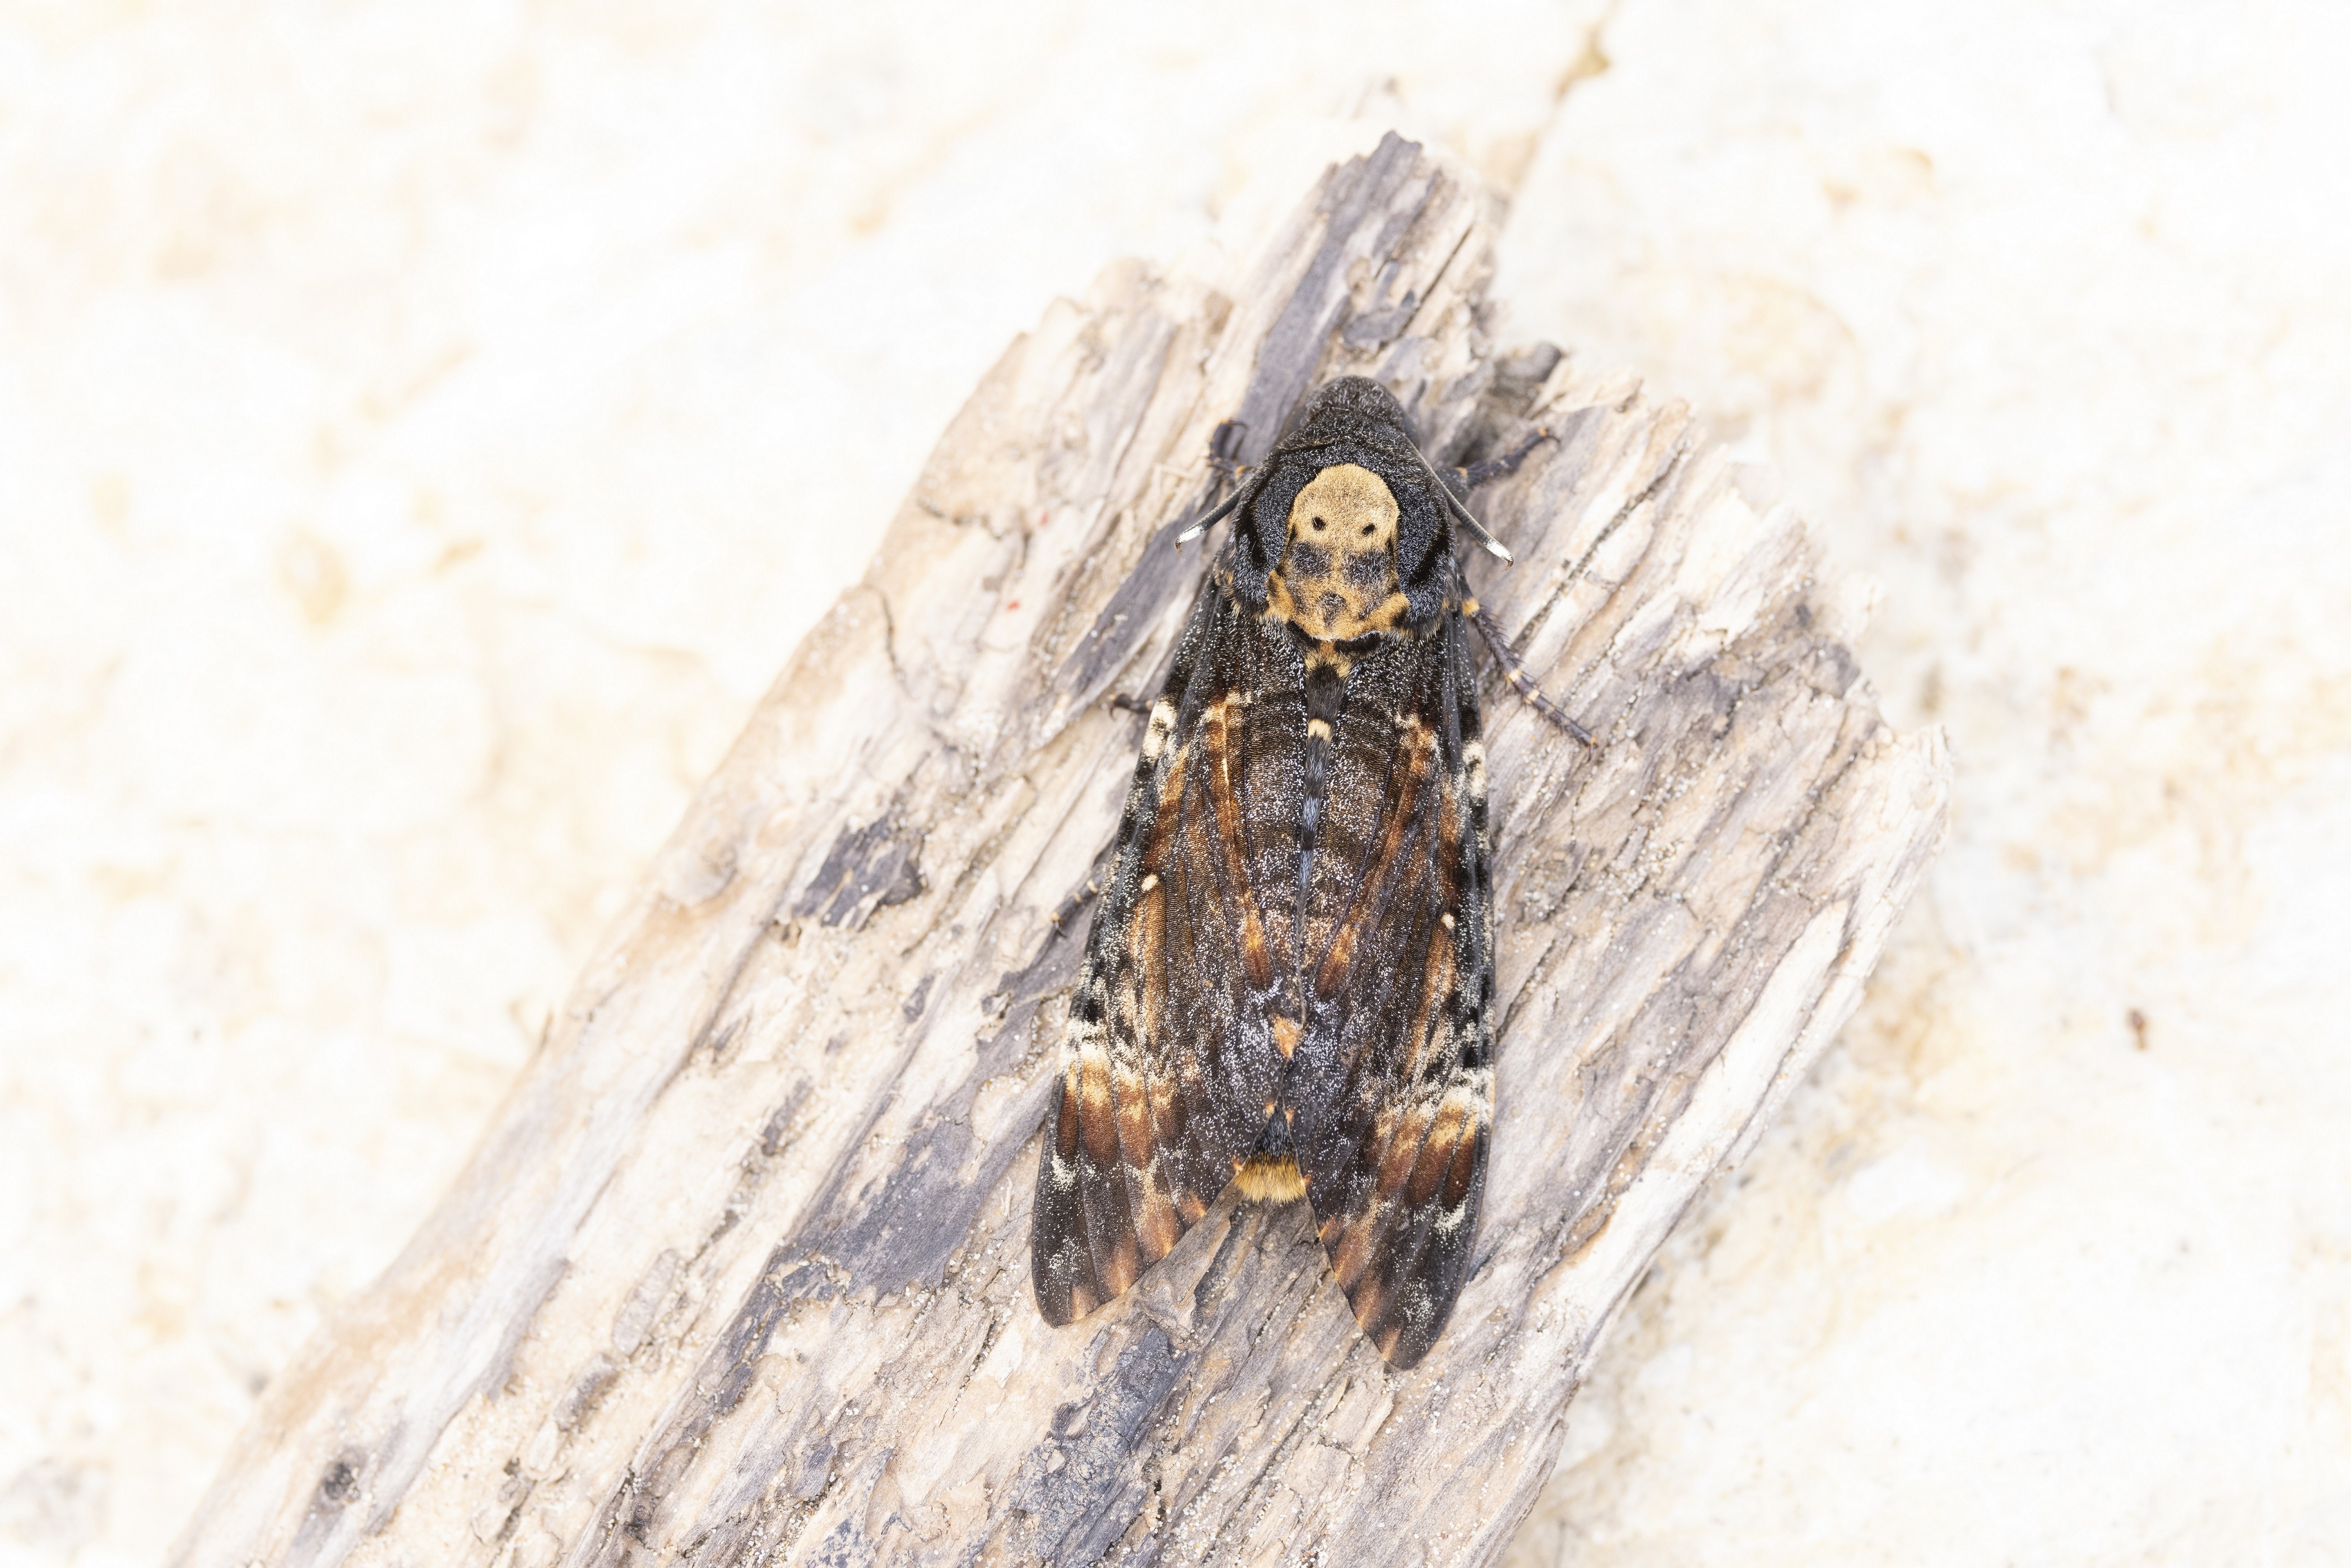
{"x": 1224, "y": 448}
{"x": 1125, "y": 704}
{"x": 1087, "y": 890}
{"x": 1477, "y": 474}
{"x": 1225, "y": 470}
{"x": 1520, "y": 682}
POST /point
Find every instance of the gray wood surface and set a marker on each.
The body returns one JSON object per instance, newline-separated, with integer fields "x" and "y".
{"x": 739, "y": 1272}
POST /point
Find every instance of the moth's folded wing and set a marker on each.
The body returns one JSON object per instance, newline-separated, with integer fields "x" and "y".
{"x": 1168, "y": 1064}
{"x": 1395, "y": 1094}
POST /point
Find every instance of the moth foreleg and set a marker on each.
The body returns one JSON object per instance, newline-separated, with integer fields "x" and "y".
{"x": 1087, "y": 892}
{"x": 1225, "y": 466}
{"x": 1477, "y": 474}
{"x": 1224, "y": 448}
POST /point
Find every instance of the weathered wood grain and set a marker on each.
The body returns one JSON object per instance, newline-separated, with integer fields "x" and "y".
{"x": 739, "y": 1272}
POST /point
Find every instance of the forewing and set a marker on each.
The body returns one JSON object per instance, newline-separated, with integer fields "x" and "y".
{"x": 1168, "y": 1065}
{"x": 1393, "y": 1097}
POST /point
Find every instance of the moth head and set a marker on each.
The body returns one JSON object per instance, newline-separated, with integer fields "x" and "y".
{"x": 1347, "y": 460}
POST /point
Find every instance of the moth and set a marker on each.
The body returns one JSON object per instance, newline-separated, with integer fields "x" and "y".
{"x": 1288, "y": 982}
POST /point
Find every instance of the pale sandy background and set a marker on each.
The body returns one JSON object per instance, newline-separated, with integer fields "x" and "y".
{"x": 425, "y": 428}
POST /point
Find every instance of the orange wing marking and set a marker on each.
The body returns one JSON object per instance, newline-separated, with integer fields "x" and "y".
{"x": 1418, "y": 745}
{"x": 1217, "y": 736}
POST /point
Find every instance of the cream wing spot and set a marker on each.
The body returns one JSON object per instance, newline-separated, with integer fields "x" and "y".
{"x": 1162, "y": 725}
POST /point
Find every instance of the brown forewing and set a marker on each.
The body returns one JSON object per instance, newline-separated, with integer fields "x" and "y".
{"x": 1392, "y": 1091}
{"x": 1170, "y": 1064}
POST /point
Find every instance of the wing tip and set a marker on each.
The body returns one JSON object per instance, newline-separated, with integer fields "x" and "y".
{"x": 1402, "y": 1327}
{"x": 1403, "y": 1265}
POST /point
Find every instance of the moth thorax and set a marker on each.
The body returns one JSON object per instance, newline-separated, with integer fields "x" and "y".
{"x": 1337, "y": 578}
{"x": 1270, "y": 1178}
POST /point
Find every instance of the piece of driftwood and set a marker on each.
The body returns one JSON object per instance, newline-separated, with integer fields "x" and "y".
{"x": 740, "y": 1270}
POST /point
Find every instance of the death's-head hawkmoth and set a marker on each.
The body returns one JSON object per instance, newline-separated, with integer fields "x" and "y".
{"x": 1289, "y": 981}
